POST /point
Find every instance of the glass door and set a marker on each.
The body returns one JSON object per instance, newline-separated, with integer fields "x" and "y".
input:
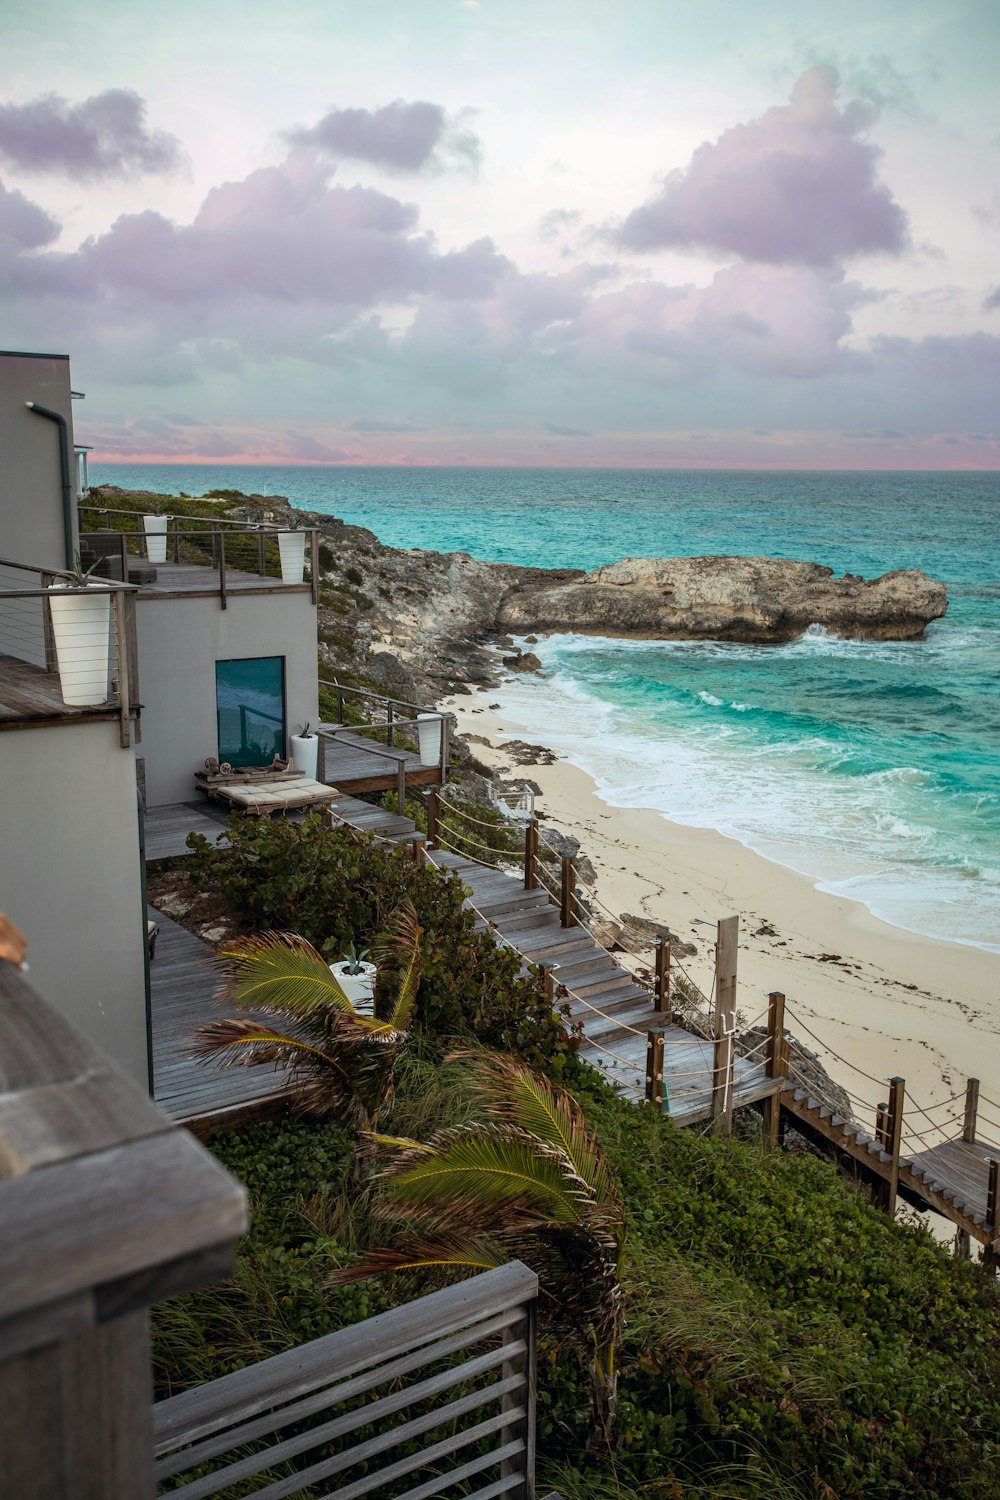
{"x": 250, "y": 707}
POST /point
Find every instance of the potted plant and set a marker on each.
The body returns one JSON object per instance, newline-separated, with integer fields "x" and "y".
{"x": 81, "y": 625}
{"x": 292, "y": 551}
{"x": 305, "y": 747}
{"x": 155, "y": 528}
{"x": 357, "y": 979}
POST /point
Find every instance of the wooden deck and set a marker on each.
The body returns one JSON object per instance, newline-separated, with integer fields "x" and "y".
{"x": 174, "y": 580}
{"x": 353, "y": 763}
{"x": 29, "y": 696}
{"x": 182, "y": 992}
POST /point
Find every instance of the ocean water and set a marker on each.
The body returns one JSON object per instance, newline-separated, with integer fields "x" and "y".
{"x": 872, "y": 767}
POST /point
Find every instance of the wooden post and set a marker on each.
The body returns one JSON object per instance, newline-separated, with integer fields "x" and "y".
{"x": 549, "y": 980}
{"x": 567, "y": 892}
{"x": 48, "y": 636}
{"x": 661, "y": 1000}
{"x": 522, "y": 1427}
{"x": 654, "y": 1069}
{"x": 433, "y": 815}
{"x": 121, "y": 654}
{"x": 340, "y": 704}
{"x": 314, "y": 563}
{"x": 991, "y": 1251}
{"x": 724, "y": 1053}
{"x": 123, "y": 544}
{"x": 445, "y": 726}
{"x": 418, "y": 847}
{"x": 222, "y": 569}
{"x": 893, "y": 1136}
{"x": 530, "y": 855}
{"x": 774, "y": 1065}
{"x": 388, "y": 723}
{"x": 971, "y": 1111}
{"x": 260, "y": 551}
{"x": 177, "y": 541}
{"x": 215, "y": 537}
{"x": 401, "y": 788}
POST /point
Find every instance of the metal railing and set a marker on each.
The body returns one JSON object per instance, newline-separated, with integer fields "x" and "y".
{"x": 32, "y": 633}
{"x": 216, "y": 543}
{"x": 433, "y": 1393}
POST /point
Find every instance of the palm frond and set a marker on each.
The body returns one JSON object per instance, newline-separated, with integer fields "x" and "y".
{"x": 512, "y": 1092}
{"x": 325, "y": 1083}
{"x": 486, "y": 1173}
{"x": 401, "y": 940}
{"x": 283, "y": 972}
{"x": 238, "y": 1040}
{"x": 432, "y": 1254}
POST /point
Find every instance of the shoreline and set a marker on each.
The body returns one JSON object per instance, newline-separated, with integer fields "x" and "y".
{"x": 888, "y": 1001}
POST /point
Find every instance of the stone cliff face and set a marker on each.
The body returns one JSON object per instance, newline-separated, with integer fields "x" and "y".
{"x": 726, "y": 598}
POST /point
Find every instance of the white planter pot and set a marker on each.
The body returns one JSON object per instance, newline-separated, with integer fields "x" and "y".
{"x": 429, "y": 728}
{"x": 81, "y": 624}
{"x": 359, "y": 988}
{"x": 292, "y": 550}
{"x": 155, "y": 528}
{"x": 304, "y": 752}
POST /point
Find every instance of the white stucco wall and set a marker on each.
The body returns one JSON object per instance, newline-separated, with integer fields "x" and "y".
{"x": 70, "y": 879}
{"x": 31, "y": 511}
{"x": 180, "y": 641}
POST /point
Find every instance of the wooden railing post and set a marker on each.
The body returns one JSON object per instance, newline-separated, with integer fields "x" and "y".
{"x": 401, "y": 788}
{"x": 567, "y": 892}
{"x": 991, "y": 1251}
{"x": 724, "y": 1052}
{"x": 215, "y": 541}
{"x": 177, "y": 541}
{"x": 530, "y": 854}
{"x": 122, "y": 663}
{"x": 662, "y": 991}
{"x": 654, "y": 1069}
{"x": 521, "y": 1365}
{"x": 433, "y": 817}
{"x": 340, "y": 704}
{"x": 388, "y": 723}
{"x": 314, "y": 563}
{"x": 418, "y": 848}
{"x": 260, "y": 551}
{"x": 774, "y": 1064}
{"x": 882, "y": 1125}
{"x": 222, "y": 569}
{"x": 123, "y": 546}
{"x": 445, "y": 725}
{"x": 48, "y": 635}
{"x": 893, "y": 1138}
{"x": 547, "y": 969}
{"x": 971, "y": 1111}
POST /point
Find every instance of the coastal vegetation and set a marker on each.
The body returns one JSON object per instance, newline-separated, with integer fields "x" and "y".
{"x": 779, "y": 1337}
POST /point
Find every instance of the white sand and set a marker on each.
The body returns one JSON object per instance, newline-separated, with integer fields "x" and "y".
{"x": 891, "y": 1003}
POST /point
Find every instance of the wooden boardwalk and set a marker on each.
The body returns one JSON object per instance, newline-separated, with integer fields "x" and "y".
{"x": 357, "y": 763}
{"x": 176, "y": 580}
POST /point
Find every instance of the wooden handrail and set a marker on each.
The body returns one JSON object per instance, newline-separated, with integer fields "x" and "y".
{"x": 105, "y": 1207}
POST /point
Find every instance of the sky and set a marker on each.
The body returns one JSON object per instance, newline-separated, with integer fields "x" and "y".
{"x": 603, "y": 233}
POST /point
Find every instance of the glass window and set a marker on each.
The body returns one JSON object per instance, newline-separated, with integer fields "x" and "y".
{"x": 250, "y": 705}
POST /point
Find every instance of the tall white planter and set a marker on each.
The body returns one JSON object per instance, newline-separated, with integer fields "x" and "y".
{"x": 292, "y": 550}
{"x": 359, "y": 988}
{"x": 429, "y": 727}
{"x": 81, "y": 624}
{"x": 304, "y": 753}
{"x": 155, "y": 528}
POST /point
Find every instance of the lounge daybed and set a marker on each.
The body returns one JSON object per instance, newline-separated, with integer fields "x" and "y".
{"x": 263, "y": 790}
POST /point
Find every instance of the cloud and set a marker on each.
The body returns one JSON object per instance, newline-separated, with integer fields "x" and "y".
{"x": 992, "y": 299}
{"x": 797, "y": 186}
{"x": 558, "y": 430}
{"x": 105, "y": 136}
{"x": 399, "y": 136}
{"x": 23, "y": 223}
{"x": 558, "y": 221}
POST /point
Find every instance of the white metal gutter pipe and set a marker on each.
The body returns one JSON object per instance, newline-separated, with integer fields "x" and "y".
{"x": 64, "y": 465}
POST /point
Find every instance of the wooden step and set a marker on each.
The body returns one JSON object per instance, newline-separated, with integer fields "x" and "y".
{"x": 543, "y": 945}
{"x": 514, "y": 903}
{"x": 617, "y": 979}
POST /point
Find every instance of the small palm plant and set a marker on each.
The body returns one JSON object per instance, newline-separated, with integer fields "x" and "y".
{"x": 530, "y": 1182}
{"x": 342, "y": 1063}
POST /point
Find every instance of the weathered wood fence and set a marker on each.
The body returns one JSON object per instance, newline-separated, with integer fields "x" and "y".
{"x": 457, "y": 1366}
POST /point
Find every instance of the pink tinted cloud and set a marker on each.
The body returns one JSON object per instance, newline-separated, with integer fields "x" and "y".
{"x": 403, "y": 137}
{"x": 103, "y": 136}
{"x": 797, "y": 186}
{"x": 24, "y": 224}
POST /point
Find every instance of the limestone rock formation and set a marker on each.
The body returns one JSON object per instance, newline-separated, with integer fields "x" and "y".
{"x": 726, "y": 598}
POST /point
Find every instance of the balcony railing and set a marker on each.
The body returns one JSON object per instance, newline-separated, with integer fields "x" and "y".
{"x": 58, "y": 663}
{"x": 231, "y": 550}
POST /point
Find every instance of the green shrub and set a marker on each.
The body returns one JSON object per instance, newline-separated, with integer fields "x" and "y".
{"x": 336, "y": 886}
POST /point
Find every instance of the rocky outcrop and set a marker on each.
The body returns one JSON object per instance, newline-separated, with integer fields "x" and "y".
{"x": 726, "y": 598}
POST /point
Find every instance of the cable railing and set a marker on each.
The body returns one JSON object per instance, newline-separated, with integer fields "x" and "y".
{"x": 123, "y": 545}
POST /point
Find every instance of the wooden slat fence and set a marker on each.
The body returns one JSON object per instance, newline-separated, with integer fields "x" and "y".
{"x": 456, "y": 1368}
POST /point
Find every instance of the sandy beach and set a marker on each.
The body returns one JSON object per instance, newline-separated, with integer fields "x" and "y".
{"x": 882, "y": 1001}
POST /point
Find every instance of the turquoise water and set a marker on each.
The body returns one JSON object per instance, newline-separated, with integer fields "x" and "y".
{"x": 873, "y": 767}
